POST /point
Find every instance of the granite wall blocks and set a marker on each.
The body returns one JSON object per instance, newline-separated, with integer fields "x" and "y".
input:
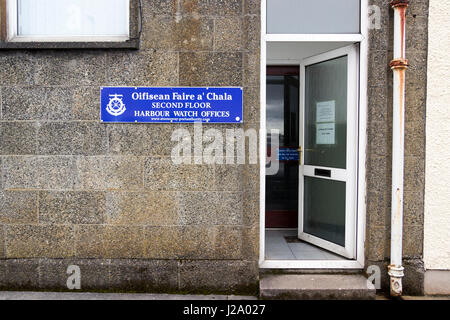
{"x": 19, "y": 274}
{"x": 377, "y": 244}
{"x": 140, "y": 139}
{"x": 2, "y": 245}
{"x": 110, "y": 173}
{"x": 35, "y": 241}
{"x": 413, "y": 241}
{"x": 414, "y": 176}
{"x": 194, "y": 8}
{"x": 380, "y": 139}
{"x": 179, "y": 33}
{"x": 228, "y": 34}
{"x": 413, "y": 208}
{"x": 89, "y": 241}
{"x": 251, "y": 69}
{"x": 73, "y": 138}
{"x": 415, "y": 138}
{"x": 250, "y": 208}
{"x": 193, "y": 242}
{"x": 18, "y": 138}
{"x": 378, "y": 212}
{"x": 94, "y": 274}
{"x": 158, "y": 7}
{"x": 143, "y": 68}
{"x": 37, "y": 103}
{"x": 225, "y": 276}
{"x": 38, "y": 172}
{"x": 414, "y": 280}
{"x": 162, "y": 174}
{"x": 417, "y": 26}
{"x": 378, "y": 69}
{"x": 250, "y": 243}
{"x": 144, "y": 275}
{"x": 211, "y": 7}
{"x": 69, "y": 67}
{"x": 18, "y": 207}
{"x": 109, "y": 241}
{"x": 252, "y": 33}
{"x": 211, "y": 208}
{"x": 418, "y": 8}
{"x": 252, "y": 106}
{"x": 85, "y": 104}
{"x": 18, "y": 68}
{"x": 210, "y": 69}
{"x": 72, "y": 207}
{"x": 142, "y": 208}
{"x": 124, "y": 242}
{"x": 252, "y": 7}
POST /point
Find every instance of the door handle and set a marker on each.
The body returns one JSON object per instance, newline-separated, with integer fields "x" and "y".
{"x": 300, "y": 150}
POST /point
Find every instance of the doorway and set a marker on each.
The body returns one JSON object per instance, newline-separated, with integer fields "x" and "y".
{"x": 283, "y": 115}
{"x": 310, "y": 202}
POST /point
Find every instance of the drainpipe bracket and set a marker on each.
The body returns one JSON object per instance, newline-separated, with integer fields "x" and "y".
{"x": 399, "y": 3}
{"x": 399, "y": 64}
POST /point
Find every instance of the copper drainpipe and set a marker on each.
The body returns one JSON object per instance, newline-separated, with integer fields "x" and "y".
{"x": 398, "y": 65}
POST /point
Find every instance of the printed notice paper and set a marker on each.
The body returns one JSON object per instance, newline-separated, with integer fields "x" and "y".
{"x": 325, "y": 133}
{"x": 325, "y": 111}
{"x": 325, "y": 122}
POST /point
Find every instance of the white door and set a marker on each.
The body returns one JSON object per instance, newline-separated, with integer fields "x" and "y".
{"x": 328, "y": 141}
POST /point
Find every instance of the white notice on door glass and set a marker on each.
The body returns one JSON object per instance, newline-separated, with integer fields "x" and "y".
{"x": 325, "y": 133}
{"x": 325, "y": 111}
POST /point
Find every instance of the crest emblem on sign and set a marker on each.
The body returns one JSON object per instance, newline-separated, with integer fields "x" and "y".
{"x": 115, "y": 106}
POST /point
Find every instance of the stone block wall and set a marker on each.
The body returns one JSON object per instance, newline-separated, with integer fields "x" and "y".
{"x": 107, "y": 197}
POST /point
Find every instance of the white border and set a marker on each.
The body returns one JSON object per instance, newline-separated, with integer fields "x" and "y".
{"x": 362, "y": 143}
{"x": 12, "y": 34}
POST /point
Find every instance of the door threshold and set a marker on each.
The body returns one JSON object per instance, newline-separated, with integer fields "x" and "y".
{"x": 310, "y": 264}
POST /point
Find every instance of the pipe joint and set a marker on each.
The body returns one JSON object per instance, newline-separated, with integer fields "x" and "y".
{"x": 399, "y": 3}
{"x": 399, "y": 64}
{"x": 396, "y": 273}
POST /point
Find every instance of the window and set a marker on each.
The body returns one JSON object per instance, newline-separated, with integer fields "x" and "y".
{"x": 313, "y": 17}
{"x": 68, "y": 20}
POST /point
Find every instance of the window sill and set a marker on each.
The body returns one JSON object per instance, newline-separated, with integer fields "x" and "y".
{"x": 129, "y": 44}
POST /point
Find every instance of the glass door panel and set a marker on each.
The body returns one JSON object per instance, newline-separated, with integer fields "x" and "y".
{"x": 326, "y": 113}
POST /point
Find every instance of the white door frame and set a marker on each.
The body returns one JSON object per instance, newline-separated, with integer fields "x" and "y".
{"x": 347, "y": 175}
{"x": 362, "y": 39}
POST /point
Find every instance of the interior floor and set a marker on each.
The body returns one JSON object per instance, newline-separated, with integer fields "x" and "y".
{"x": 281, "y": 245}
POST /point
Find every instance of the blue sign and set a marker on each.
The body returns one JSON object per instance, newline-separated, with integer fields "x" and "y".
{"x": 288, "y": 154}
{"x": 172, "y": 105}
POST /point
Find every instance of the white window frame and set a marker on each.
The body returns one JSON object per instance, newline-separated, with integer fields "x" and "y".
{"x": 362, "y": 39}
{"x": 12, "y": 32}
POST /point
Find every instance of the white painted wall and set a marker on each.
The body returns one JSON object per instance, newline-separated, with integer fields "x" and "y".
{"x": 437, "y": 179}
